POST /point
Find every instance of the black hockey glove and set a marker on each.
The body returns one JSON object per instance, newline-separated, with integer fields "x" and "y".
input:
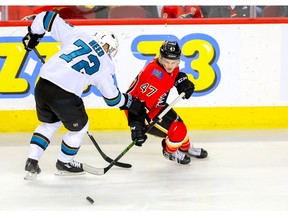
{"x": 138, "y": 133}
{"x": 183, "y": 84}
{"x": 133, "y": 105}
{"x": 31, "y": 40}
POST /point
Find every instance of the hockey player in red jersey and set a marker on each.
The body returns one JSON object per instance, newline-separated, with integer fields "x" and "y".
{"x": 152, "y": 86}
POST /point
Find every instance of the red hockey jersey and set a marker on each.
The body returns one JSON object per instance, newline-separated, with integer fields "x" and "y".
{"x": 152, "y": 85}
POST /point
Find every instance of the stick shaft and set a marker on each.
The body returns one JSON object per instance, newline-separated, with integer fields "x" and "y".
{"x": 39, "y": 56}
{"x": 164, "y": 112}
{"x": 104, "y": 156}
{"x": 159, "y": 117}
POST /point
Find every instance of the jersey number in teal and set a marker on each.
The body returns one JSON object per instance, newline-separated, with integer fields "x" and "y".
{"x": 83, "y": 64}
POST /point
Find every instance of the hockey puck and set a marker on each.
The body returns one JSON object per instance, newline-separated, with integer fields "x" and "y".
{"x": 90, "y": 199}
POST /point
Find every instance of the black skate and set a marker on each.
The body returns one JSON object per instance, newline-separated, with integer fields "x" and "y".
{"x": 196, "y": 152}
{"x": 32, "y": 169}
{"x": 71, "y": 168}
{"x": 177, "y": 156}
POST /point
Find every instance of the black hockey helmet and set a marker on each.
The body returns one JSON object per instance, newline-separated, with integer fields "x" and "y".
{"x": 170, "y": 50}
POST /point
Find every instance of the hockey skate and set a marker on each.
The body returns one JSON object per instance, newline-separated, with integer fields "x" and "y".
{"x": 195, "y": 152}
{"x": 68, "y": 169}
{"x": 32, "y": 169}
{"x": 177, "y": 156}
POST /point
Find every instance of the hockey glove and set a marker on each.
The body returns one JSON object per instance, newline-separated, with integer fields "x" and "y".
{"x": 31, "y": 40}
{"x": 138, "y": 133}
{"x": 133, "y": 105}
{"x": 183, "y": 84}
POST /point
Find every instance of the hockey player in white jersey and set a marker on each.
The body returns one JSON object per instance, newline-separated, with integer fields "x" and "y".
{"x": 82, "y": 60}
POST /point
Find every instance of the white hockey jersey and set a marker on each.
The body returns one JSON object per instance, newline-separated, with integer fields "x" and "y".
{"x": 81, "y": 61}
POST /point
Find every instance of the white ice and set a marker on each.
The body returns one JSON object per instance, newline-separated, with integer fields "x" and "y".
{"x": 246, "y": 171}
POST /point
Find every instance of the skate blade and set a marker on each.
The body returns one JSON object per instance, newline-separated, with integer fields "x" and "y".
{"x": 30, "y": 176}
{"x": 65, "y": 173}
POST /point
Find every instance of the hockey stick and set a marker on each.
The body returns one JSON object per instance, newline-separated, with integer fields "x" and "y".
{"x": 104, "y": 156}
{"x": 102, "y": 171}
{"x": 38, "y": 55}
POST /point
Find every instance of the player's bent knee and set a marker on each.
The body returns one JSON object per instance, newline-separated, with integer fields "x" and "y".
{"x": 48, "y": 129}
{"x": 177, "y": 132}
{"x": 74, "y": 138}
{"x": 85, "y": 128}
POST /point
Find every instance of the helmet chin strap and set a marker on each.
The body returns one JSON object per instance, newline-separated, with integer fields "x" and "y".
{"x": 112, "y": 52}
